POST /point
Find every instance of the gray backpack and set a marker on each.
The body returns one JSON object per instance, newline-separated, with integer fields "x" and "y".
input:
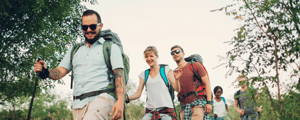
{"x": 194, "y": 58}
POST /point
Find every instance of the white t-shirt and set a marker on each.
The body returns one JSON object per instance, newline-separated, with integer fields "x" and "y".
{"x": 157, "y": 92}
{"x": 219, "y": 108}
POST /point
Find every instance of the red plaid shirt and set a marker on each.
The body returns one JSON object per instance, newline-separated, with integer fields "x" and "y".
{"x": 167, "y": 111}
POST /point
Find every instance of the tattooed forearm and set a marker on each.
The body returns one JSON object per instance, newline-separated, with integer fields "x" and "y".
{"x": 119, "y": 74}
{"x": 119, "y": 82}
{"x": 54, "y": 74}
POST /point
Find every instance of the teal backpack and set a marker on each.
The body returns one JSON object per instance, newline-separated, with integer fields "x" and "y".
{"x": 222, "y": 99}
{"x": 110, "y": 38}
{"x": 164, "y": 77}
{"x": 211, "y": 117}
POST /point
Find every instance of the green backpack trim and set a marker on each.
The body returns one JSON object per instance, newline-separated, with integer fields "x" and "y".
{"x": 110, "y": 75}
{"x": 107, "y": 52}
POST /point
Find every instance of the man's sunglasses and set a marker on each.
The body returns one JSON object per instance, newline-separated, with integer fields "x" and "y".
{"x": 92, "y": 26}
{"x": 175, "y": 51}
{"x": 242, "y": 82}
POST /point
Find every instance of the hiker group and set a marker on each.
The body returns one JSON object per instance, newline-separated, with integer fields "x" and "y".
{"x": 100, "y": 71}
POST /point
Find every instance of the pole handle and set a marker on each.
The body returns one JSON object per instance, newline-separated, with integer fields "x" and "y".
{"x": 38, "y": 73}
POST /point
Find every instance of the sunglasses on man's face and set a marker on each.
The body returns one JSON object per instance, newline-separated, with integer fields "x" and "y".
{"x": 242, "y": 82}
{"x": 92, "y": 26}
{"x": 175, "y": 51}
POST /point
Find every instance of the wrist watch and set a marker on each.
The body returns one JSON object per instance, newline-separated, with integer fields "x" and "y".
{"x": 127, "y": 99}
{"x": 208, "y": 102}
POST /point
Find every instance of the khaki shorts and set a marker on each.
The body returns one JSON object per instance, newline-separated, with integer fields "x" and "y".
{"x": 97, "y": 109}
{"x": 197, "y": 113}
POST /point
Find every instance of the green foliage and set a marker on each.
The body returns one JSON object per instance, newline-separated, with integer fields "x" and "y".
{"x": 267, "y": 47}
{"x": 45, "y": 107}
{"x": 135, "y": 110}
{"x": 32, "y": 28}
{"x": 232, "y": 113}
{"x": 177, "y": 108}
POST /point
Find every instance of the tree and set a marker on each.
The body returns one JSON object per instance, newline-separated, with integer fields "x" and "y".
{"x": 267, "y": 47}
{"x": 46, "y": 106}
{"x": 32, "y": 28}
{"x": 231, "y": 111}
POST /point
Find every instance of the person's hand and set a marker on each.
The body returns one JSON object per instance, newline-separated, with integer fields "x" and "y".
{"x": 177, "y": 73}
{"x": 241, "y": 112}
{"x": 215, "y": 116}
{"x": 208, "y": 108}
{"x": 38, "y": 66}
{"x": 259, "y": 109}
{"x": 117, "y": 110}
{"x": 127, "y": 98}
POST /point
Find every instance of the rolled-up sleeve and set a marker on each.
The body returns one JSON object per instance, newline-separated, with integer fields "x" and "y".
{"x": 66, "y": 61}
{"x": 116, "y": 57}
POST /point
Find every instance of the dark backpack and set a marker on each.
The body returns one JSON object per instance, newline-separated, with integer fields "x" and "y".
{"x": 238, "y": 96}
{"x": 110, "y": 38}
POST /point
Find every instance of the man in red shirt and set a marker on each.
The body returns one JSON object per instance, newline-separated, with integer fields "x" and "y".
{"x": 191, "y": 107}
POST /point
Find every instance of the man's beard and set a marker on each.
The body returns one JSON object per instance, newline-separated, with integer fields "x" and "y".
{"x": 91, "y": 41}
{"x": 178, "y": 60}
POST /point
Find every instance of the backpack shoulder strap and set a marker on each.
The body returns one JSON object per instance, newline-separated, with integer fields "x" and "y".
{"x": 163, "y": 74}
{"x": 223, "y": 100}
{"x": 73, "y": 51}
{"x": 164, "y": 77}
{"x": 238, "y": 93}
{"x": 107, "y": 53}
{"x": 146, "y": 75}
{"x": 194, "y": 69}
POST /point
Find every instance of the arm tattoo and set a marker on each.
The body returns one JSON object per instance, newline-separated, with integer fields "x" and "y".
{"x": 119, "y": 73}
{"x": 119, "y": 81}
{"x": 54, "y": 73}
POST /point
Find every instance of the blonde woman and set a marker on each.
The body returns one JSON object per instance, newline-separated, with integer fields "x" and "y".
{"x": 159, "y": 104}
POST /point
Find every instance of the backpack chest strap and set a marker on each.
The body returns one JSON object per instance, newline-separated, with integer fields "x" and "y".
{"x": 187, "y": 94}
{"x": 190, "y": 93}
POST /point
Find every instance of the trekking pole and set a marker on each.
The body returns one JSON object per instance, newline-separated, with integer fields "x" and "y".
{"x": 36, "y": 82}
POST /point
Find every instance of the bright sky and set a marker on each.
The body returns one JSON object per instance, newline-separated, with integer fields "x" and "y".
{"x": 163, "y": 24}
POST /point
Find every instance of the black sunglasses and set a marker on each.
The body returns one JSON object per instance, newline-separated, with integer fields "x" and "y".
{"x": 175, "y": 51}
{"x": 92, "y": 26}
{"x": 242, "y": 82}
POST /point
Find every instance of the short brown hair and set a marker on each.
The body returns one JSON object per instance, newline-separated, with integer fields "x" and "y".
{"x": 92, "y": 12}
{"x": 151, "y": 49}
{"x": 177, "y": 46}
{"x": 241, "y": 76}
